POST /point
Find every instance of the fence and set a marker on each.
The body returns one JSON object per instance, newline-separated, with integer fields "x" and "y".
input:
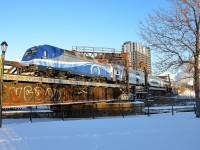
{"x": 71, "y": 113}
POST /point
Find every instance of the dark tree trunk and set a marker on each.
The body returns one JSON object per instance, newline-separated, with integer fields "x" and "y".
{"x": 196, "y": 75}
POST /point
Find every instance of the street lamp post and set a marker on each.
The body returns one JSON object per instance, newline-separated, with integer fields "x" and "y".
{"x": 3, "y": 49}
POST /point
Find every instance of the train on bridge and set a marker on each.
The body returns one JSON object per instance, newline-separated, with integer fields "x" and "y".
{"x": 48, "y": 75}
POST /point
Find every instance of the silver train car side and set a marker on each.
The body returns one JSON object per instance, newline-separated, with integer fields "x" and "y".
{"x": 154, "y": 81}
{"x": 136, "y": 77}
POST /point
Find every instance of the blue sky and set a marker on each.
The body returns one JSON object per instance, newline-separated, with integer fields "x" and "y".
{"x": 67, "y": 23}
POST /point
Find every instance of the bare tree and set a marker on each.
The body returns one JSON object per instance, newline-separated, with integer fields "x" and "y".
{"x": 174, "y": 34}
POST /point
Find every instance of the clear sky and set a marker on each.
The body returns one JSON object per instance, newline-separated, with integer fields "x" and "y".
{"x": 67, "y": 23}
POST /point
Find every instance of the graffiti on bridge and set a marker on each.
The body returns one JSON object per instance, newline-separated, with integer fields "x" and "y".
{"x": 25, "y": 94}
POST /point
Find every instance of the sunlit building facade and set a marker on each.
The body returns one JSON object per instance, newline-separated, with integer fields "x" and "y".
{"x": 139, "y": 56}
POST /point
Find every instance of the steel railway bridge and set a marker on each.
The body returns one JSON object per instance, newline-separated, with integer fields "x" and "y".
{"x": 21, "y": 90}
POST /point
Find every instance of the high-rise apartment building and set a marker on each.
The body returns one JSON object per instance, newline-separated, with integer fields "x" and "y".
{"x": 139, "y": 56}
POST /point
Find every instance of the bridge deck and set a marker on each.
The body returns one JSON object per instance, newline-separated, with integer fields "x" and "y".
{"x": 10, "y": 77}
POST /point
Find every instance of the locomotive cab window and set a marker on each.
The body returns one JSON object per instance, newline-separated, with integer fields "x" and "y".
{"x": 31, "y": 52}
{"x": 27, "y": 53}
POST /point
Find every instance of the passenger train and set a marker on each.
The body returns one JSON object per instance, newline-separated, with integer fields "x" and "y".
{"x": 50, "y": 61}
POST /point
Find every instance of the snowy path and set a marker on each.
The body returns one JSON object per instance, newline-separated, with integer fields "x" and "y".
{"x": 157, "y": 132}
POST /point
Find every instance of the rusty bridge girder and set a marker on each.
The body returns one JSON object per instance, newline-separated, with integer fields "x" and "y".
{"x": 18, "y": 94}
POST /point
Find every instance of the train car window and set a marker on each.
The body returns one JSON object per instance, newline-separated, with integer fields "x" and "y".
{"x": 45, "y": 54}
{"x": 117, "y": 72}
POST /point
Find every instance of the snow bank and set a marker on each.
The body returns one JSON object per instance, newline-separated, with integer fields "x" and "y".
{"x": 157, "y": 132}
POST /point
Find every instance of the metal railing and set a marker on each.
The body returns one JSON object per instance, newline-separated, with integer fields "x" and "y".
{"x": 32, "y": 113}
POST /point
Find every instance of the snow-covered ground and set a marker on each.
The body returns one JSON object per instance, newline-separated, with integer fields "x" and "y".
{"x": 157, "y": 132}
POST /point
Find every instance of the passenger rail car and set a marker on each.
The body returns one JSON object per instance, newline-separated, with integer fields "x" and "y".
{"x": 136, "y": 77}
{"x": 155, "y": 81}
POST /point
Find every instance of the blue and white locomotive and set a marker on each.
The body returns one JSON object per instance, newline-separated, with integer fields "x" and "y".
{"x": 52, "y": 61}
